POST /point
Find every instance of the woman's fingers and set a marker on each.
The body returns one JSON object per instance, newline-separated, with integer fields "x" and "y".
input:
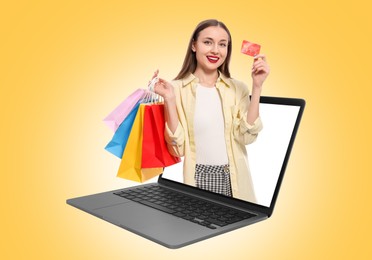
{"x": 165, "y": 83}
{"x": 160, "y": 86}
{"x": 260, "y": 57}
{"x": 156, "y": 73}
{"x": 260, "y": 64}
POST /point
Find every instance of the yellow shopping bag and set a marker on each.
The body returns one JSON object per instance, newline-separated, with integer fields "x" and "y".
{"x": 130, "y": 166}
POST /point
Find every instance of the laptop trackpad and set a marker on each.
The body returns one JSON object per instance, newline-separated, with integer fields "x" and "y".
{"x": 153, "y": 224}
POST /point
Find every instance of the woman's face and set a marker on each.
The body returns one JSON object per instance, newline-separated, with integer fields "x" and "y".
{"x": 211, "y": 48}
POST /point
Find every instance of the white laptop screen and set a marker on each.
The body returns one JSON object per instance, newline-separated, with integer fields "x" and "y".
{"x": 266, "y": 155}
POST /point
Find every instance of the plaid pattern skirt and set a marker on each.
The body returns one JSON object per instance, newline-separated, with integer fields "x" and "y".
{"x": 215, "y": 178}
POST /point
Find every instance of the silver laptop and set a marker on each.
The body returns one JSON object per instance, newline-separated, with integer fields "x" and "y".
{"x": 174, "y": 214}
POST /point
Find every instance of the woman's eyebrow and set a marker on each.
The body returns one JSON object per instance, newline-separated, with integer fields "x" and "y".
{"x": 209, "y": 38}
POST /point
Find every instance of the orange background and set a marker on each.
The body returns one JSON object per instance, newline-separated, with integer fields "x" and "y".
{"x": 66, "y": 64}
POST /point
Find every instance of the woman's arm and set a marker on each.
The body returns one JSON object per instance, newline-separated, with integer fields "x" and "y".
{"x": 260, "y": 71}
{"x": 165, "y": 89}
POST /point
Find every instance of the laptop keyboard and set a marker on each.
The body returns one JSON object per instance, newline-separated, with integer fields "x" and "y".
{"x": 199, "y": 211}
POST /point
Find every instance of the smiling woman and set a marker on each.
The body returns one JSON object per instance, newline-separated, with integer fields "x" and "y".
{"x": 209, "y": 116}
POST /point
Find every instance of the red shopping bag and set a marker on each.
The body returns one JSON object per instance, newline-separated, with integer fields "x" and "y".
{"x": 154, "y": 148}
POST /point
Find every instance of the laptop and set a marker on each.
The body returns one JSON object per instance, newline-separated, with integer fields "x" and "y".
{"x": 174, "y": 214}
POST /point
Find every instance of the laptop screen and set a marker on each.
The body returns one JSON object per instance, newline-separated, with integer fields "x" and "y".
{"x": 266, "y": 155}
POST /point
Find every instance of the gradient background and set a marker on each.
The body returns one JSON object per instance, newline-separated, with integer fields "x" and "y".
{"x": 66, "y": 64}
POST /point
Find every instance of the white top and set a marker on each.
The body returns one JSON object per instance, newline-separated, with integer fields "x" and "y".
{"x": 209, "y": 127}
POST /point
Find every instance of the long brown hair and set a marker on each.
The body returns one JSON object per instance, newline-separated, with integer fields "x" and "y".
{"x": 189, "y": 63}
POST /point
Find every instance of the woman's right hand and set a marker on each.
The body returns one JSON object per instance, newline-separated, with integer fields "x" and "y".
{"x": 163, "y": 88}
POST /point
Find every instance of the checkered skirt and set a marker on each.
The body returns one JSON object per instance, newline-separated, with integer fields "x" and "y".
{"x": 215, "y": 178}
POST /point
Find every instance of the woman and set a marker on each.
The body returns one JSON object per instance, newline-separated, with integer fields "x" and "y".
{"x": 209, "y": 116}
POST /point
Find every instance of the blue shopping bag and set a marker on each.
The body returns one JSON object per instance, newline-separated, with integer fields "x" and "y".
{"x": 117, "y": 145}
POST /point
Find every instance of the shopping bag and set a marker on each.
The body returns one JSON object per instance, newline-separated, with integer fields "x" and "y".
{"x": 154, "y": 148}
{"x": 118, "y": 142}
{"x": 130, "y": 166}
{"x": 117, "y": 116}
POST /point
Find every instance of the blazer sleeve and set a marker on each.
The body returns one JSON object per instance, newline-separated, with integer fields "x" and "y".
{"x": 176, "y": 141}
{"x": 244, "y": 132}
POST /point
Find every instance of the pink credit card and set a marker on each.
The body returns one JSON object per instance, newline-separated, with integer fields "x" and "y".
{"x": 250, "y": 48}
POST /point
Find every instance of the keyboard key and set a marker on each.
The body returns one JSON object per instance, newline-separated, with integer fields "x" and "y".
{"x": 188, "y": 217}
{"x": 211, "y": 226}
{"x": 156, "y": 206}
{"x": 233, "y": 220}
{"x": 179, "y": 214}
{"x": 216, "y": 222}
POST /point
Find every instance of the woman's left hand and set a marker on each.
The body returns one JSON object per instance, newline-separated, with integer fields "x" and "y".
{"x": 260, "y": 70}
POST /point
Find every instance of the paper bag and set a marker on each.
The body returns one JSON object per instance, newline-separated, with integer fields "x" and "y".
{"x": 130, "y": 167}
{"x": 118, "y": 142}
{"x": 154, "y": 148}
{"x": 117, "y": 116}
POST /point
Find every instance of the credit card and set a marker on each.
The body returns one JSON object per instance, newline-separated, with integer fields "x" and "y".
{"x": 250, "y": 48}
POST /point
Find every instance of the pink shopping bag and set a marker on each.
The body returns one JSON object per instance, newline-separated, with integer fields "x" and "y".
{"x": 117, "y": 116}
